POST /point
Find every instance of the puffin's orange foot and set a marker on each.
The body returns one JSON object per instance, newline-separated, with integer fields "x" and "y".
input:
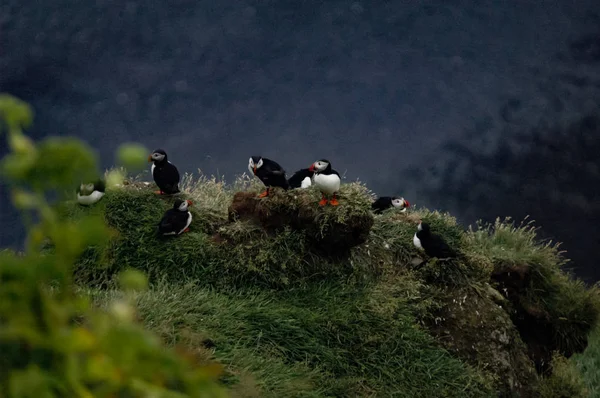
{"x": 186, "y": 230}
{"x": 323, "y": 202}
{"x": 262, "y": 195}
{"x": 334, "y": 202}
{"x": 159, "y": 192}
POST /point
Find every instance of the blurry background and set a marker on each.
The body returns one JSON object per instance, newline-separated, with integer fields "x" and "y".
{"x": 480, "y": 110}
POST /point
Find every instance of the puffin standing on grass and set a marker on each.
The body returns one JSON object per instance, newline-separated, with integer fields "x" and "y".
{"x": 385, "y": 202}
{"x": 165, "y": 174}
{"x": 177, "y": 219}
{"x": 433, "y": 244}
{"x": 301, "y": 179}
{"x": 269, "y": 172}
{"x": 89, "y": 194}
{"x": 327, "y": 180}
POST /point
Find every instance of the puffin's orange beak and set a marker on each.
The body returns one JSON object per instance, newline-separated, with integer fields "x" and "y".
{"x": 149, "y": 158}
{"x": 190, "y": 203}
{"x": 312, "y": 167}
{"x": 406, "y": 202}
{"x": 255, "y": 170}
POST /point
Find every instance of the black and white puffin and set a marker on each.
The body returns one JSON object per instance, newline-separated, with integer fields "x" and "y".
{"x": 327, "y": 180}
{"x": 269, "y": 172}
{"x": 176, "y": 220}
{"x": 385, "y": 202}
{"x": 165, "y": 174}
{"x": 301, "y": 179}
{"x": 433, "y": 244}
{"x": 89, "y": 194}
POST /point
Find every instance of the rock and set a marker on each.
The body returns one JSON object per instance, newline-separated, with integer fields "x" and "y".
{"x": 479, "y": 331}
{"x": 332, "y": 229}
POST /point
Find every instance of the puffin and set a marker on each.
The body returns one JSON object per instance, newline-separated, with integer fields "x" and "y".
{"x": 385, "y": 202}
{"x": 301, "y": 179}
{"x": 433, "y": 244}
{"x": 89, "y": 194}
{"x": 269, "y": 172}
{"x": 177, "y": 219}
{"x": 165, "y": 174}
{"x": 327, "y": 180}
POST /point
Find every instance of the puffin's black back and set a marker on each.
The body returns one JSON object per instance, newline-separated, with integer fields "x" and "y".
{"x": 173, "y": 220}
{"x": 433, "y": 244}
{"x": 100, "y": 185}
{"x": 272, "y": 174}
{"x": 295, "y": 181}
{"x": 381, "y": 204}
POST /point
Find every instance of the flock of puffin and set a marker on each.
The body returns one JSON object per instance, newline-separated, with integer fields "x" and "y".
{"x": 177, "y": 220}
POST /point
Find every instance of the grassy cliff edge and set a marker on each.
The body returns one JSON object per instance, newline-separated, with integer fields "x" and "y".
{"x": 297, "y": 300}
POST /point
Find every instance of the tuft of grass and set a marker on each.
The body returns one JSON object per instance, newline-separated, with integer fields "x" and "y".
{"x": 561, "y": 304}
{"x": 564, "y": 382}
{"x": 588, "y": 363}
{"x": 215, "y": 250}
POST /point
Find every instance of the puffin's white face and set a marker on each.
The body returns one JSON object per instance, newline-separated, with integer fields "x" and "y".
{"x": 157, "y": 157}
{"x": 320, "y": 165}
{"x": 184, "y": 205}
{"x": 398, "y": 202}
{"x": 253, "y": 167}
{"x": 419, "y": 227}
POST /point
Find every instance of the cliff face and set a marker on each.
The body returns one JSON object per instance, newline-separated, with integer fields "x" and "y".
{"x": 340, "y": 296}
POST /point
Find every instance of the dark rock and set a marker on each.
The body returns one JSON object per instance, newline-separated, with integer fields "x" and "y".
{"x": 332, "y": 229}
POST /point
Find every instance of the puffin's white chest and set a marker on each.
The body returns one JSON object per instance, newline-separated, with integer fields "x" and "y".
{"x": 90, "y": 199}
{"x": 152, "y": 169}
{"x": 306, "y": 183}
{"x": 189, "y": 221}
{"x": 417, "y": 242}
{"x": 328, "y": 184}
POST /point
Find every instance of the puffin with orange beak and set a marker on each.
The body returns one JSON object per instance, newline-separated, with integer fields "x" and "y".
{"x": 386, "y": 202}
{"x": 177, "y": 219}
{"x": 327, "y": 180}
{"x": 164, "y": 173}
{"x": 269, "y": 172}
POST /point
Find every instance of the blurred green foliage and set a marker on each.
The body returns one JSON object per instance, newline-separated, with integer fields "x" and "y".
{"x": 53, "y": 343}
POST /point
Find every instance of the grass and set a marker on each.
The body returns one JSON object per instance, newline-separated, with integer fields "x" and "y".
{"x": 588, "y": 364}
{"x": 376, "y": 319}
{"x": 330, "y": 340}
{"x": 566, "y": 306}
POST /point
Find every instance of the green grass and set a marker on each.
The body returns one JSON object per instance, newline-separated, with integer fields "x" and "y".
{"x": 588, "y": 363}
{"x": 566, "y": 306}
{"x": 289, "y": 320}
{"x": 330, "y": 340}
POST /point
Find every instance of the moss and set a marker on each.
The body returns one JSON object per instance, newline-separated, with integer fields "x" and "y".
{"x": 481, "y": 332}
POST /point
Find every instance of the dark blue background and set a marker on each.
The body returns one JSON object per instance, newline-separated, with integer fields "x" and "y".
{"x": 438, "y": 101}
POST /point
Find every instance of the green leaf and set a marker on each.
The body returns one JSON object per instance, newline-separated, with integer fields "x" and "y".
{"x": 132, "y": 156}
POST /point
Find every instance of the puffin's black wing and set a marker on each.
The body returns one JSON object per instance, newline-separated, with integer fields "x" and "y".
{"x": 439, "y": 248}
{"x": 295, "y": 181}
{"x": 382, "y": 203}
{"x": 100, "y": 186}
{"x": 167, "y": 178}
{"x": 172, "y": 221}
{"x": 272, "y": 167}
{"x": 272, "y": 174}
